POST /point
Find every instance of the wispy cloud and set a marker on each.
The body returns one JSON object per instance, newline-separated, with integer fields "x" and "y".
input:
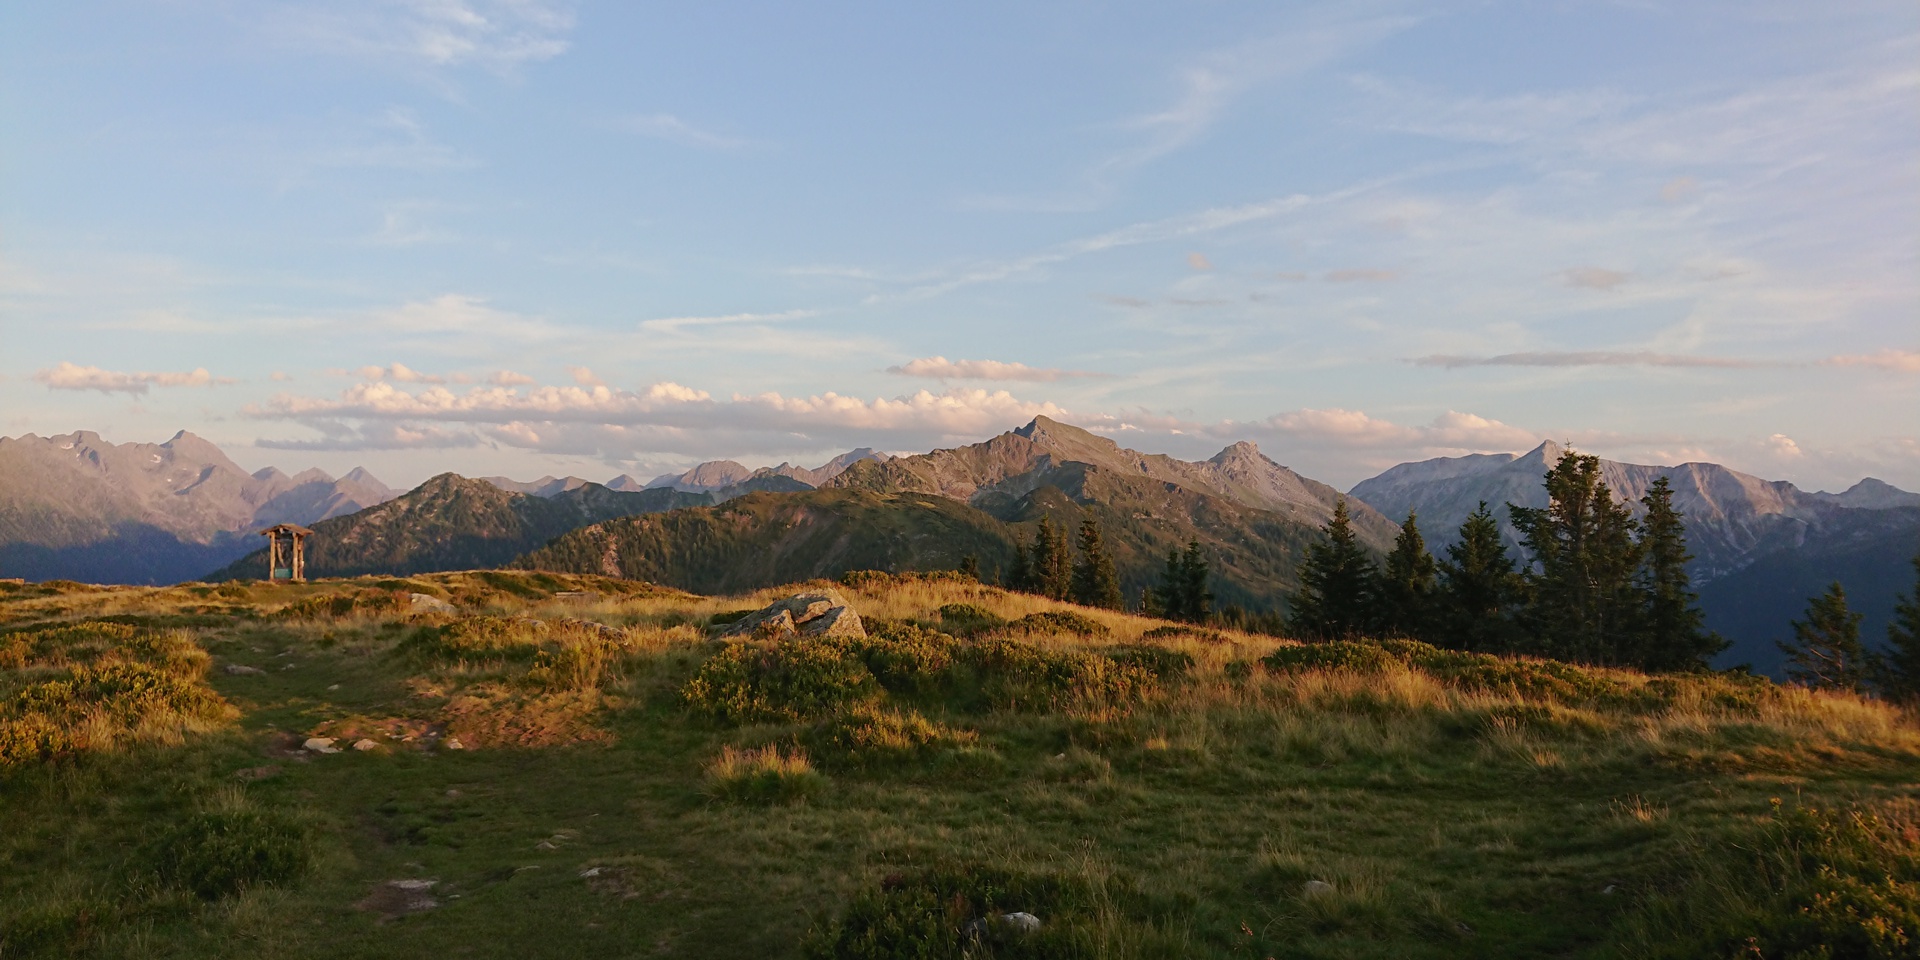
{"x": 496, "y": 34}
{"x": 1588, "y": 358}
{"x": 1594, "y": 278}
{"x": 672, "y": 324}
{"x": 399, "y": 373}
{"x": 666, "y": 126}
{"x": 940, "y": 368}
{"x": 1361, "y": 276}
{"x": 1898, "y": 361}
{"x": 70, "y": 376}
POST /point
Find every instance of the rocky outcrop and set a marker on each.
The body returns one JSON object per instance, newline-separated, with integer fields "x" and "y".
{"x": 824, "y": 614}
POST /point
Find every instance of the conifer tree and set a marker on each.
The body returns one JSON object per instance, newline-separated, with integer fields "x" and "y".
{"x": 1051, "y": 564}
{"x": 1673, "y": 634}
{"x": 1095, "y": 583}
{"x": 1478, "y": 589}
{"x": 1584, "y": 603}
{"x": 970, "y": 566}
{"x": 1020, "y": 577}
{"x": 1407, "y": 586}
{"x": 1169, "y": 599}
{"x": 1825, "y": 652}
{"x": 1899, "y": 672}
{"x": 1337, "y": 584}
{"x": 1197, "y": 600}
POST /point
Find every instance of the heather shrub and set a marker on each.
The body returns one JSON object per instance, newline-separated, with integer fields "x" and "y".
{"x": 220, "y": 854}
{"x": 1161, "y": 662}
{"x": 969, "y": 618}
{"x": 794, "y": 680}
{"x": 905, "y": 657}
{"x": 1060, "y": 621}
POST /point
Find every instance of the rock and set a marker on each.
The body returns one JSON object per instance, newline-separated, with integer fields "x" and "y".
{"x": 1021, "y": 921}
{"x": 241, "y": 670}
{"x": 545, "y": 845}
{"x": 453, "y": 743}
{"x": 364, "y": 744}
{"x": 590, "y": 872}
{"x": 1609, "y": 890}
{"x": 1316, "y": 888}
{"x": 397, "y": 898}
{"x": 320, "y": 745}
{"x": 429, "y": 602}
{"x": 808, "y": 614}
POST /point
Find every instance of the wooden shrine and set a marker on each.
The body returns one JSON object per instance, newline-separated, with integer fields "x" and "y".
{"x": 286, "y": 552}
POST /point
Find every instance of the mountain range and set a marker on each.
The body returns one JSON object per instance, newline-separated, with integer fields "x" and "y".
{"x": 76, "y": 507}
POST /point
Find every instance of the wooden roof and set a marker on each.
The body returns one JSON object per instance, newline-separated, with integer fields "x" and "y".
{"x": 285, "y": 528}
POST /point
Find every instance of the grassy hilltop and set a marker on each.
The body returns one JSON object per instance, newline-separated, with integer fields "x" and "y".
{"x": 573, "y": 766}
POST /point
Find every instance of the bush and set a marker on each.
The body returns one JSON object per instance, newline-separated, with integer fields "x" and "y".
{"x": 905, "y": 657}
{"x": 479, "y": 638}
{"x": 765, "y": 775}
{"x": 111, "y": 682}
{"x": 333, "y": 606}
{"x": 969, "y": 618}
{"x": 866, "y": 735}
{"x": 1173, "y": 630}
{"x": 1060, "y": 621}
{"x": 955, "y": 911}
{"x": 1335, "y": 655}
{"x": 794, "y": 680}
{"x": 1163, "y": 663}
{"x": 215, "y": 855}
{"x": 1015, "y": 674}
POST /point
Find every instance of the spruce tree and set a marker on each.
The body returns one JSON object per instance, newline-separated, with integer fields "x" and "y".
{"x": 1584, "y": 603}
{"x": 970, "y": 566}
{"x": 1825, "y": 652}
{"x": 1095, "y": 583}
{"x": 1197, "y": 600}
{"x": 1478, "y": 589}
{"x": 1020, "y": 578}
{"x": 1673, "y": 633}
{"x": 1899, "y": 672}
{"x": 1407, "y": 586}
{"x": 1337, "y": 584}
{"x": 1169, "y": 599}
{"x": 1059, "y": 568}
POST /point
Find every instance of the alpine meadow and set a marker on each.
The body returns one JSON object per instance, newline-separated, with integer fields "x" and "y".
{"x": 1330, "y": 480}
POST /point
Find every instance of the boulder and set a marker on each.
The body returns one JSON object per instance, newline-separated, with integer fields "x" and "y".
{"x": 427, "y": 601}
{"x": 363, "y": 744}
{"x": 320, "y": 745}
{"x": 823, "y": 614}
{"x": 1316, "y": 888}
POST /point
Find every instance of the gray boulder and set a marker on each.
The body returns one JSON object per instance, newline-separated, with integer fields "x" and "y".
{"x": 823, "y": 614}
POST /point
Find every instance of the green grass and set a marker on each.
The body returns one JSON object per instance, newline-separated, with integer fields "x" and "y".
{"x": 1147, "y": 792}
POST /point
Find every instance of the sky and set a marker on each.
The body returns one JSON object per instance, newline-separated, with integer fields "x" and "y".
{"x": 531, "y": 237}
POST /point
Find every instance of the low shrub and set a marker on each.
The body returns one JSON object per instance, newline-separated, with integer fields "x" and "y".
{"x": 333, "y": 606}
{"x": 905, "y": 657}
{"x": 1060, "y": 621}
{"x": 1163, "y": 663}
{"x": 961, "y": 910}
{"x": 1334, "y": 655}
{"x": 479, "y": 638}
{"x": 731, "y": 616}
{"x": 867, "y": 735}
{"x": 764, "y": 775}
{"x": 102, "y": 683}
{"x": 793, "y": 680}
{"x": 1020, "y": 675}
{"x": 969, "y": 618}
{"x": 221, "y": 854}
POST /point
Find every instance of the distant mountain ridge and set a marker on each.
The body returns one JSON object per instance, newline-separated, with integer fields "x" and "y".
{"x": 721, "y": 474}
{"x": 78, "y": 507}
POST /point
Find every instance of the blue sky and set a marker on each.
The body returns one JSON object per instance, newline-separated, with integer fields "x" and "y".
{"x": 533, "y": 236}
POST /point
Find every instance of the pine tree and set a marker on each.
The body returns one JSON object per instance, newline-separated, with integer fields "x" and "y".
{"x": 1150, "y": 605}
{"x": 1095, "y": 583}
{"x": 1337, "y": 584}
{"x": 1825, "y": 652}
{"x": 1407, "y": 586}
{"x": 1673, "y": 633}
{"x": 1058, "y": 570}
{"x": 1478, "y": 589}
{"x": 970, "y": 566}
{"x": 1584, "y": 603}
{"x": 1169, "y": 598}
{"x": 1899, "y": 672}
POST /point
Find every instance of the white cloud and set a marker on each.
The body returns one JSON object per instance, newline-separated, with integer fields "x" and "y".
{"x": 377, "y": 436}
{"x": 585, "y": 377}
{"x": 1199, "y": 262}
{"x": 399, "y": 373}
{"x": 70, "y": 376}
{"x": 454, "y": 313}
{"x": 940, "y": 368}
{"x": 507, "y": 378}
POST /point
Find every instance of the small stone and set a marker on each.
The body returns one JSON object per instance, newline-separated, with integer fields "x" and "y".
{"x": 365, "y": 744}
{"x": 453, "y": 743}
{"x": 545, "y": 845}
{"x": 1021, "y": 921}
{"x": 412, "y": 884}
{"x": 1316, "y": 888}
{"x": 320, "y": 745}
{"x": 332, "y": 687}
{"x": 241, "y": 670}
{"x": 590, "y": 872}
{"x": 1608, "y": 892}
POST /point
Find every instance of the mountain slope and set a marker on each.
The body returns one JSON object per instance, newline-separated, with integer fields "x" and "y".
{"x": 1015, "y": 463}
{"x": 77, "y": 507}
{"x": 450, "y": 523}
{"x": 763, "y": 539}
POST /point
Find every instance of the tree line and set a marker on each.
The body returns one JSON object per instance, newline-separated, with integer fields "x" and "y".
{"x": 1048, "y": 566}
